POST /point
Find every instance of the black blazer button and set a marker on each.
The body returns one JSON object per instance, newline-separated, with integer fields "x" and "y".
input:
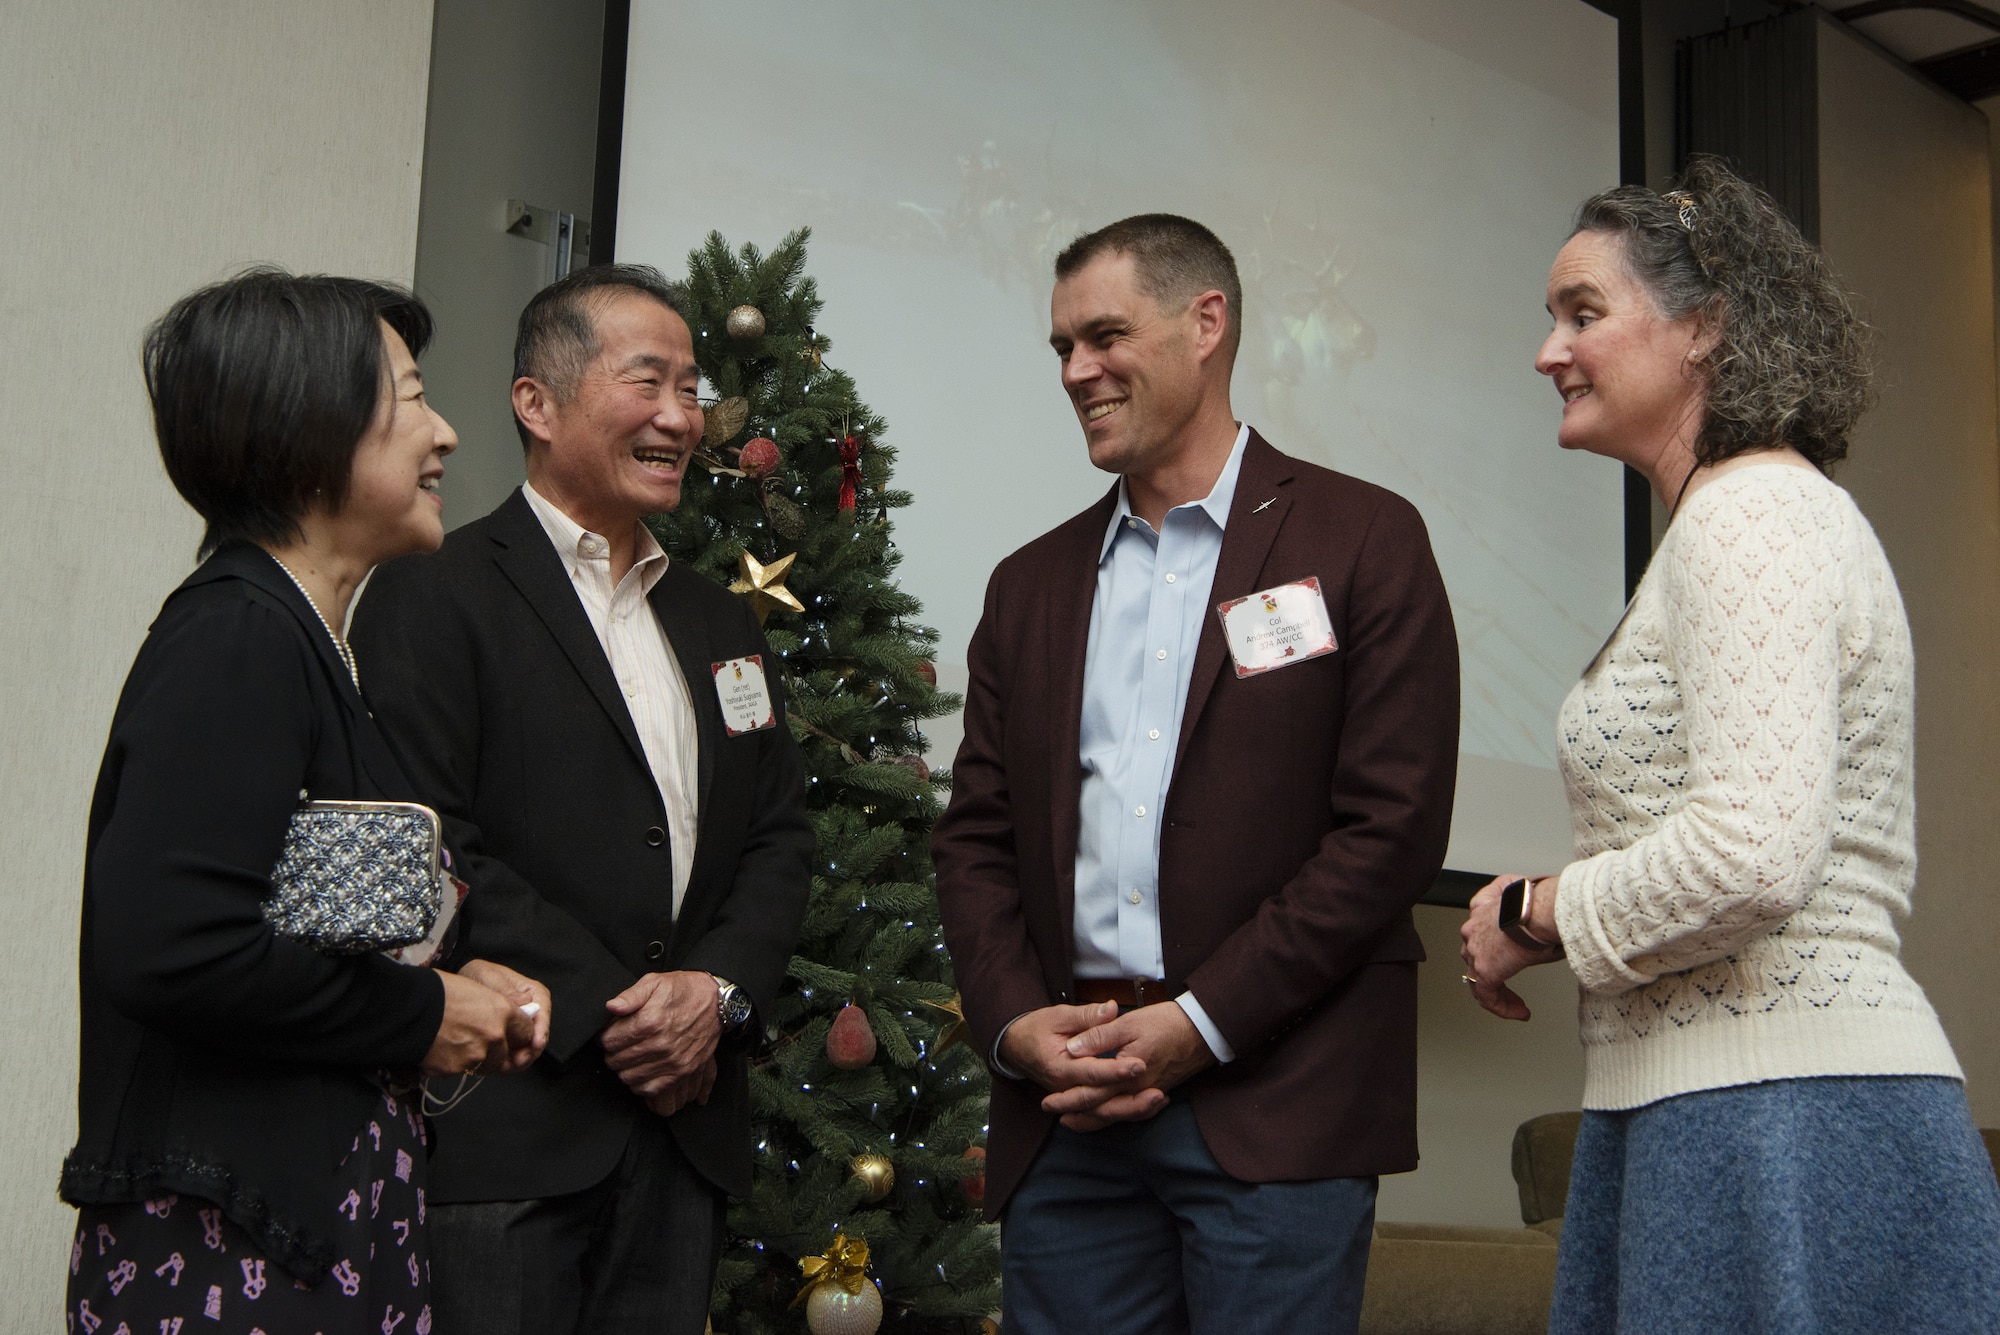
{"x": 655, "y": 836}
{"x": 655, "y": 949}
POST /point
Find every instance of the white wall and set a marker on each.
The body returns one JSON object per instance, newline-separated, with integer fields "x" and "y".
{"x": 1906, "y": 220}
{"x": 513, "y": 115}
{"x": 146, "y": 147}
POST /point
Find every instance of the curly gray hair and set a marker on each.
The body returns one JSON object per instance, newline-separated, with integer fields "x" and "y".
{"x": 1793, "y": 363}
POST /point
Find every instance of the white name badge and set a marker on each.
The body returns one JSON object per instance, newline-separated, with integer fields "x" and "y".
{"x": 1278, "y": 627}
{"x": 745, "y": 699}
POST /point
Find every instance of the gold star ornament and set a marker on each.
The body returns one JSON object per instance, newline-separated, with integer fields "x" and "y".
{"x": 764, "y": 585}
{"x": 952, "y": 1028}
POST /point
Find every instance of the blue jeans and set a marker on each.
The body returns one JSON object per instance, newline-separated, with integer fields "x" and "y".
{"x": 1136, "y": 1230}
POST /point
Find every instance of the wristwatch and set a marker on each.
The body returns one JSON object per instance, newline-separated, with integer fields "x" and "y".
{"x": 732, "y": 1004}
{"x": 1517, "y": 899}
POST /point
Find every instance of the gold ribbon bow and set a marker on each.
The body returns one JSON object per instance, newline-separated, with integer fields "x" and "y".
{"x": 845, "y": 1263}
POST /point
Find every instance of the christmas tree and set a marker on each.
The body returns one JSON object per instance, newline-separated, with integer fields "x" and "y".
{"x": 869, "y": 1105}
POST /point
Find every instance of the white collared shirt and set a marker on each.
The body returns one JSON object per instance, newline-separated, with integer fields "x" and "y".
{"x": 1151, "y": 604}
{"x": 656, "y": 691}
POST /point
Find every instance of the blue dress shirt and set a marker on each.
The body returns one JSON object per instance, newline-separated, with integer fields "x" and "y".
{"x": 1151, "y": 604}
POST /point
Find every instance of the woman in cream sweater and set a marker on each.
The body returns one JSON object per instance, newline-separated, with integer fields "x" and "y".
{"x": 1776, "y": 1136}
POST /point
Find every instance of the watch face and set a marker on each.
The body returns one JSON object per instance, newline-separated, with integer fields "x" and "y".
{"x": 1511, "y": 896}
{"x": 735, "y": 1008}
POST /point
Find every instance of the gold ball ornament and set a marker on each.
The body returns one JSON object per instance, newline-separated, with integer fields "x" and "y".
{"x": 839, "y": 1296}
{"x": 875, "y": 1173}
{"x": 832, "y": 1310}
{"x": 745, "y": 324}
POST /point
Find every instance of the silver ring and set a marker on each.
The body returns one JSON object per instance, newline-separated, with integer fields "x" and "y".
{"x": 1470, "y": 979}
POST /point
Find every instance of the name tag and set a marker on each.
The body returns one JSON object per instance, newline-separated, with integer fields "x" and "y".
{"x": 1278, "y": 627}
{"x": 745, "y": 699}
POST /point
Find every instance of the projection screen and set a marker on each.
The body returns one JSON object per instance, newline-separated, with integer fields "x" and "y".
{"x": 1394, "y": 177}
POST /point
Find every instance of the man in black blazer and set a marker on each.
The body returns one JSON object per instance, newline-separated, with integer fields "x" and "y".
{"x": 643, "y": 850}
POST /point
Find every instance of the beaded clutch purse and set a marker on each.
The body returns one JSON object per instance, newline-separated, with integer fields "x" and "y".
{"x": 358, "y": 877}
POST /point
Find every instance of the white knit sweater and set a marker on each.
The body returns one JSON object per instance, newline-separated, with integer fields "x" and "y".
{"x": 1739, "y": 766}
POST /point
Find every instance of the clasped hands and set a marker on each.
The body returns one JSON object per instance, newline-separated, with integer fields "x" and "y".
{"x": 661, "y": 1040}
{"x": 484, "y": 1030}
{"x": 1101, "y": 1067}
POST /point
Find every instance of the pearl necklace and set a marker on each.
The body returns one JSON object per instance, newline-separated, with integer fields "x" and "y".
{"x": 339, "y": 644}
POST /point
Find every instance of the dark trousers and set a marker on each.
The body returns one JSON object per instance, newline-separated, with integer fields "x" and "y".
{"x": 1136, "y": 1230}
{"x": 635, "y": 1253}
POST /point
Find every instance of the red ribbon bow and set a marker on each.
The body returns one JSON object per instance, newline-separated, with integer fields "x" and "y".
{"x": 850, "y": 470}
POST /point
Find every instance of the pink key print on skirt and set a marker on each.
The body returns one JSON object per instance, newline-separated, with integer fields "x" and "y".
{"x": 165, "y": 1264}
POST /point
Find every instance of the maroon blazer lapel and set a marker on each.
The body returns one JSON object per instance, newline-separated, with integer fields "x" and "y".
{"x": 1071, "y": 589}
{"x": 1253, "y": 527}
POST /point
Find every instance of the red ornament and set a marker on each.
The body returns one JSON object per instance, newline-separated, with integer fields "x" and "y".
{"x": 928, "y": 671}
{"x": 850, "y": 470}
{"x": 850, "y": 1044}
{"x": 759, "y": 457}
{"x": 974, "y": 1186}
{"x": 916, "y": 766}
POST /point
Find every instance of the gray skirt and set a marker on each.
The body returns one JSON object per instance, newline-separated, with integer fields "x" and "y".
{"x": 1796, "y": 1207}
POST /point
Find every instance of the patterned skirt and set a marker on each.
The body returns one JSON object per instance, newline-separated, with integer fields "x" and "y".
{"x": 174, "y": 1265}
{"x": 1822, "y": 1206}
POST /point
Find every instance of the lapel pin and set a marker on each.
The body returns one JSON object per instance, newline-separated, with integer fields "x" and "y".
{"x": 1265, "y": 506}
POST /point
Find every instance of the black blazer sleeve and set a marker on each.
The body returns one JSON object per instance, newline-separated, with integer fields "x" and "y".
{"x": 208, "y": 752}
{"x": 421, "y": 666}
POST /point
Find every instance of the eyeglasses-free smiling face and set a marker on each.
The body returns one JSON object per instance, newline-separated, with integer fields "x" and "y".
{"x": 1131, "y": 370}
{"x": 392, "y": 505}
{"x": 618, "y": 449}
{"x": 1630, "y": 378}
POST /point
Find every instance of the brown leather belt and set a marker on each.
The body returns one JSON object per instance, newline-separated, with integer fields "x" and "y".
{"x": 1124, "y": 991}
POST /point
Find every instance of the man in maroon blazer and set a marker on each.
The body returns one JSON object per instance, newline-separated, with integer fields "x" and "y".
{"x": 1210, "y": 745}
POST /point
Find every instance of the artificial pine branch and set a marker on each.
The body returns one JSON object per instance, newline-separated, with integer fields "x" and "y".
{"x": 852, "y": 669}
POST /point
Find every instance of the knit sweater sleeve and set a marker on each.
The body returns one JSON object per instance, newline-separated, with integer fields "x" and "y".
{"x": 1751, "y": 598}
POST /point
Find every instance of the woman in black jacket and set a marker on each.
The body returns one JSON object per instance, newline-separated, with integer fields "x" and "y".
{"x": 251, "y": 1147}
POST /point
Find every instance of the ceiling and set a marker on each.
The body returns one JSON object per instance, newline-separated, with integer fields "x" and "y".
{"x": 1955, "y": 42}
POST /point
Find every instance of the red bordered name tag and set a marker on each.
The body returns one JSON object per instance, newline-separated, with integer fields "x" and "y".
{"x": 1277, "y": 627}
{"x": 745, "y": 698}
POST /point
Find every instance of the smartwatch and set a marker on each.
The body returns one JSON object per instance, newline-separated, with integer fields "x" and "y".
{"x": 1517, "y": 899}
{"x": 732, "y": 1005}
